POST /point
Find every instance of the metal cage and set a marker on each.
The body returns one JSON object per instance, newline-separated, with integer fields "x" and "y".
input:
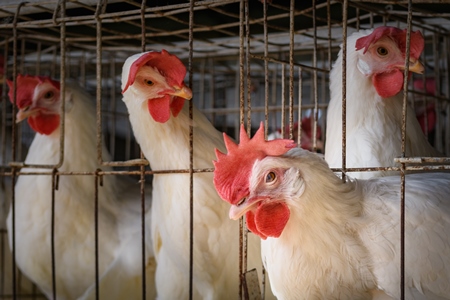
{"x": 248, "y": 61}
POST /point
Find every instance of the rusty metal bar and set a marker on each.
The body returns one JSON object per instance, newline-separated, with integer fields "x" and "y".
{"x": 446, "y": 46}
{"x": 291, "y": 69}
{"x": 403, "y": 151}
{"x": 100, "y": 7}
{"x": 344, "y": 87}
{"x": 283, "y": 100}
{"x": 266, "y": 76}
{"x": 13, "y": 239}
{"x": 422, "y": 160}
{"x": 13, "y": 141}
{"x": 300, "y": 106}
{"x": 435, "y": 42}
{"x": 191, "y": 152}
{"x": 241, "y": 118}
{"x": 62, "y": 8}
{"x": 98, "y": 180}
{"x": 306, "y": 67}
{"x": 142, "y": 174}
{"x": 315, "y": 88}
{"x": 55, "y": 183}
{"x": 249, "y": 125}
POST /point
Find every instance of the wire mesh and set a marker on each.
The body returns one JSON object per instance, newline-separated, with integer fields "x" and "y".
{"x": 248, "y": 61}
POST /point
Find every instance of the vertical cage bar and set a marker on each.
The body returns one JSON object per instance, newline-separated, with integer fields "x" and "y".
{"x": 249, "y": 120}
{"x": 13, "y": 212}
{"x": 315, "y": 87}
{"x": 283, "y": 99}
{"x": 191, "y": 151}
{"x": 99, "y": 10}
{"x": 142, "y": 174}
{"x": 291, "y": 70}
{"x": 97, "y": 181}
{"x": 13, "y": 141}
{"x": 300, "y": 102}
{"x": 403, "y": 150}
{"x": 446, "y": 45}
{"x": 266, "y": 72}
{"x": 344, "y": 87}
{"x": 55, "y": 179}
{"x": 62, "y": 10}
{"x": 241, "y": 118}
{"x": 212, "y": 88}
{"x": 437, "y": 76}
{"x": 113, "y": 117}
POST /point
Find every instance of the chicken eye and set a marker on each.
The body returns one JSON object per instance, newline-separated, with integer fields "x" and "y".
{"x": 270, "y": 177}
{"x": 240, "y": 202}
{"x": 382, "y": 51}
{"x": 148, "y": 82}
{"x": 49, "y": 95}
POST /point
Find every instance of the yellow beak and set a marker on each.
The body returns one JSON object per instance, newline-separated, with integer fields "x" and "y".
{"x": 24, "y": 113}
{"x": 414, "y": 66}
{"x": 183, "y": 92}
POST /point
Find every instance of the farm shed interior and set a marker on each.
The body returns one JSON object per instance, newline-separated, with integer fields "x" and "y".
{"x": 247, "y": 62}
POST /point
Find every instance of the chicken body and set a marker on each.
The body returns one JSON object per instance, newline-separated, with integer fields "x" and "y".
{"x": 374, "y": 104}
{"x": 342, "y": 240}
{"x": 74, "y": 236}
{"x": 165, "y": 144}
{"x": 23, "y": 285}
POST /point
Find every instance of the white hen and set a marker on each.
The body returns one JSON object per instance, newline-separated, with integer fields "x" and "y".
{"x": 375, "y": 64}
{"x": 38, "y": 99}
{"x": 326, "y": 239}
{"x": 154, "y": 92}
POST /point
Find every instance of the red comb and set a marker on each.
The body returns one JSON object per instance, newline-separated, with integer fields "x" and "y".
{"x": 25, "y": 88}
{"x": 167, "y": 64}
{"x": 232, "y": 170}
{"x": 398, "y": 35}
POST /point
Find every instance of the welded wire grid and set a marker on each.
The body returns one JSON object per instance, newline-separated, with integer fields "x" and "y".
{"x": 248, "y": 61}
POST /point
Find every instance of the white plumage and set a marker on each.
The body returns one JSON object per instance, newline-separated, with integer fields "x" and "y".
{"x": 373, "y": 122}
{"x": 342, "y": 240}
{"x": 23, "y": 284}
{"x": 118, "y": 212}
{"x": 166, "y": 145}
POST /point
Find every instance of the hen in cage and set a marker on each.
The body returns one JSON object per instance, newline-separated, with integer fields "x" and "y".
{"x": 375, "y": 64}
{"x": 247, "y": 61}
{"x": 29, "y": 223}
{"x": 161, "y": 126}
{"x": 323, "y": 238}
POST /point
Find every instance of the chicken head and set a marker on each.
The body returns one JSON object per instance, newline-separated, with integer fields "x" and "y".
{"x": 156, "y": 79}
{"x": 37, "y": 98}
{"x": 266, "y": 216}
{"x": 383, "y": 58}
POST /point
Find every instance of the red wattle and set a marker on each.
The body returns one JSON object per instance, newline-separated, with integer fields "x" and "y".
{"x": 251, "y": 225}
{"x": 44, "y": 123}
{"x": 160, "y": 109}
{"x": 388, "y": 84}
{"x": 177, "y": 105}
{"x": 271, "y": 218}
